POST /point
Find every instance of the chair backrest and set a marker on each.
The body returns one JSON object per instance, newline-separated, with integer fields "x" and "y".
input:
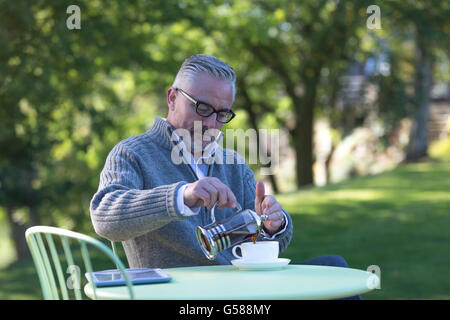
{"x": 41, "y": 242}
{"x": 114, "y": 250}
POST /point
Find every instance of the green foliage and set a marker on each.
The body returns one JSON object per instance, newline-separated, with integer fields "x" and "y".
{"x": 64, "y": 98}
{"x": 440, "y": 149}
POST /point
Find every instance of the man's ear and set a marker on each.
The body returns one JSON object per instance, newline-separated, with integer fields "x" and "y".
{"x": 171, "y": 97}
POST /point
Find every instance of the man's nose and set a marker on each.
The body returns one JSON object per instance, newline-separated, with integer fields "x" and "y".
{"x": 210, "y": 122}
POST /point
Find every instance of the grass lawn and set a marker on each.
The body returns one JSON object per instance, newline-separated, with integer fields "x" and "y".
{"x": 398, "y": 220}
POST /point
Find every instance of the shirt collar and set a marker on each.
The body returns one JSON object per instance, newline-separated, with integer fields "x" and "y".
{"x": 209, "y": 150}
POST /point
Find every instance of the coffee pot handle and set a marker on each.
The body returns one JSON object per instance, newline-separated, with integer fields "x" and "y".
{"x": 213, "y": 215}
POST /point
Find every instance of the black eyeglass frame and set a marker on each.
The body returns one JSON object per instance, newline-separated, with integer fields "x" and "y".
{"x": 198, "y": 103}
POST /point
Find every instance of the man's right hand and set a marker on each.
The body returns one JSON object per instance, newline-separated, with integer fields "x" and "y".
{"x": 206, "y": 192}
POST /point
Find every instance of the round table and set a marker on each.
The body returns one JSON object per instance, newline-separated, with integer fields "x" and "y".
{"x": 229, "y": 283}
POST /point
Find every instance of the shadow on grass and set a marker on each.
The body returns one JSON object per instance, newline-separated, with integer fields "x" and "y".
{"x": 19, "y": 281}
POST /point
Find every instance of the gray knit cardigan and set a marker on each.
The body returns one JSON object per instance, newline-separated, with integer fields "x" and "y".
{"x": 136, "y": 202}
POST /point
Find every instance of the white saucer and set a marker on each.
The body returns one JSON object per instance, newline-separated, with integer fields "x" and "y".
{"x": 244, "y": 265}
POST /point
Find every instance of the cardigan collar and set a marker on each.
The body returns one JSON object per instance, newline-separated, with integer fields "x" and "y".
{"x": 163, "y": 133}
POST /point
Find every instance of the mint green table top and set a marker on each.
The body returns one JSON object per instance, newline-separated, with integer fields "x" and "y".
{"x": 229, "y": 283}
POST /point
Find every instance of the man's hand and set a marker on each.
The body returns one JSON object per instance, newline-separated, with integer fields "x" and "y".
{"x": 206, "y": 192}
{"x": 268, "y": 205}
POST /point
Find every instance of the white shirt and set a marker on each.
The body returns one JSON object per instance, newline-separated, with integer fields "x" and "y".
{"x": 201, "y": 170}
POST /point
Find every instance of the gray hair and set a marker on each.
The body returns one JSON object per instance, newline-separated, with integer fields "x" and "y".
{"x": 208, "y": 64}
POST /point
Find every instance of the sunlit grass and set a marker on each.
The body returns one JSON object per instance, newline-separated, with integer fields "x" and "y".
{"x": 398, "y": 220}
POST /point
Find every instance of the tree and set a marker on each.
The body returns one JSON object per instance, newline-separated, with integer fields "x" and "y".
{"x": 63, "y": 104}
{"x": 428, "y": 23}
{"x": 292, "y": 42}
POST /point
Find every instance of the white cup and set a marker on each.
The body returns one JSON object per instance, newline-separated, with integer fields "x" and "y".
{"x": 261, "y": 251}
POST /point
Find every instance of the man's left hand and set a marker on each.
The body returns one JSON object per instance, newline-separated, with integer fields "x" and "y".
{"x": 268, "y": 205}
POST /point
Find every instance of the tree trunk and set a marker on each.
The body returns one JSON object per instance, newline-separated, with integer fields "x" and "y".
{"x": 303, "y": 132}
{"x": 302, "y": 137}
{"x": 254, "y": 123}
{"x": 18, "y": 235}
{"x": 328, "y": 162}
{"x": 271, "y": 176}
{"x": 418, "y": 143}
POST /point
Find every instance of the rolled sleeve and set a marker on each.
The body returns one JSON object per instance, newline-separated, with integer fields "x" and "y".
{"x": 182, "y": 208}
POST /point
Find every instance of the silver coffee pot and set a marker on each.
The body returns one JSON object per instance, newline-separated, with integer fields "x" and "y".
{"x": 218, "y": 236}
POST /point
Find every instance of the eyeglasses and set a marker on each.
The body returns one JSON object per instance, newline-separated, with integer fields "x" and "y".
{"x": 205, "y": 109}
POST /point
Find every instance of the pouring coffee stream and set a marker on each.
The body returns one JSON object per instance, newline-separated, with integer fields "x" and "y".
{"x": 218, "y": 236}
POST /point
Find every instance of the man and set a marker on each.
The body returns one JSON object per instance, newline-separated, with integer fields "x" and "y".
{"x": 153, "y": 202}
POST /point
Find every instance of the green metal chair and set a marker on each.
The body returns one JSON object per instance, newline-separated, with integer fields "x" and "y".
{"x": 114, "y": 250}
{"x": 46, "y": 268}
